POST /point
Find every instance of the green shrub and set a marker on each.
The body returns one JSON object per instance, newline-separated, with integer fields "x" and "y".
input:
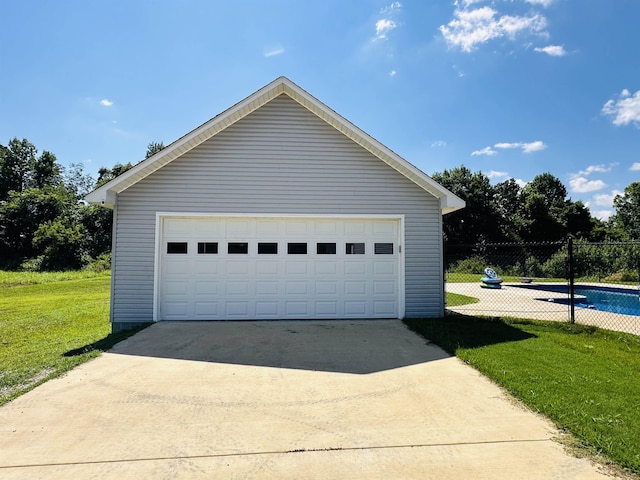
{"x": 101, "y": 264}
{"x": 475, "y": 264}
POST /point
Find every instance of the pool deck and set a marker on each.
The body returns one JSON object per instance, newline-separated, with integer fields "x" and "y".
{"x": 512, "y": 300}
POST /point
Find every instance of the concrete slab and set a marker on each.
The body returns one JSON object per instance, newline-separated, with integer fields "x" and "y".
{"x": 344, "y": 399}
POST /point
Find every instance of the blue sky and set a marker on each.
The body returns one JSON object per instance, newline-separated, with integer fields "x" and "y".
{"x": 512, "y": 88}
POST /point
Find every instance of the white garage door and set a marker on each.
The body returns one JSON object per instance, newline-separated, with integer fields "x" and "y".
{"x": 227, "y": 268}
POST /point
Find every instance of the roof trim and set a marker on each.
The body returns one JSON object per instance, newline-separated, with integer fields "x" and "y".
{"x": 107, "y": 193}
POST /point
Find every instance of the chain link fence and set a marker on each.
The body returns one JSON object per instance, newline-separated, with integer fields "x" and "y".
{"x": 587, "y": 283}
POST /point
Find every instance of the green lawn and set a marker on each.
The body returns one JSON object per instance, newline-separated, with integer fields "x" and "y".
{"x": 48, "y": 326}
{"x": 585, "y": 379}
{"x": 457, "y": 299}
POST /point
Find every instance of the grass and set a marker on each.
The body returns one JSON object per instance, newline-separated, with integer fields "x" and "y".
{"x": 12, "y": 279}
{"x": 50, "y": 323}
{"x": 584, "y": 379}
{"x": 456, "y": 299}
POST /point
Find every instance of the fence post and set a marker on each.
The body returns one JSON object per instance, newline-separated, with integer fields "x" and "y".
{"x": 572, "y": 302}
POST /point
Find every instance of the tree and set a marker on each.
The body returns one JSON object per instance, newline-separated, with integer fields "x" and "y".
{"x": 16, "y": 165}
{"x": 46, "y": 172}
{"x": 107, "y": 174}
{"x": 479, "y": 220}
{"x": 62, "y": 244}
{"x": 507, "y": 201}
{"x": 627, "y": 216}
{"x": 22, "y": 213}
{"x": 153, "y": 148}
{"x": 77, "y": 182}
{"x": 542, "y": 209}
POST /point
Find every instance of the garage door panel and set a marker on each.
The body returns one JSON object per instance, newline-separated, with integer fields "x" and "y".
{"x": 355, "y": 287}
{"x": 352, "y": 308}
{"x": 354, "y": 228}
{"x": 234, "y": 267}
{"x": 211, "y": 267}
{"x": 176, "y": 309}
{"x": 326, "y": 288}
{"x": 209, "y": 283}
{"x": 267, "y": 267}
{"x": 298, "y": 309}
{"x": 237, "y": 287}
{"x": 384, "y": 288}
{"x": 269, "y": 287}
{"x": 237, "y": 309}
{"x": 176, "y": 267}
{"x": 206, "y": 287}
{"x": 266, "y": 228}
{"x": 355, "y": 268}
{"x": 384, "y": 268}
{"x": 326, "y": 268}
{"x": 384, "y": 308}
{"x": 326, "y": 309}
{"x": 297, "y": 288}
{"x": 267, "y": 309}
{"x": 206, "y": 309}
{"x": 297, "y": 267}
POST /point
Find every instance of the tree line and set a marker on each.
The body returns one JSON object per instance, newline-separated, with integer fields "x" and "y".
{"x": 46, "y": 225}
{"x": 44, "y": 222}
{"x": 541, "y": 211}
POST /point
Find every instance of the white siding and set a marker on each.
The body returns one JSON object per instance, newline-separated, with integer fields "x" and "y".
{"x": 281, "y": 159}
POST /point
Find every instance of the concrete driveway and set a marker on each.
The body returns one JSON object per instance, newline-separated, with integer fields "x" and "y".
{"x": 344, "y": 399}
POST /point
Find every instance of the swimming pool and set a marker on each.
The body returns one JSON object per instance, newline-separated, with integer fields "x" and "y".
{"x": 615, "y": 300}
{"x": 606, "y": 299}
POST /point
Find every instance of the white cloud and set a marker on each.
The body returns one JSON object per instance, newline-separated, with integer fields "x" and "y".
{"x": 392, "y": 73}
{"x": 544, "y": 3}
{"x": 606, "y": 199}
{"x": 272, "y": 52}
{"x": 635, "y": 166}
{"x": 596, "y": 168}
{"x": 390, "y": 8}
{"x": 521, "y": 182}
{"x": 106, "y": 103}
{"x": 484, "y": 151}
{"x": 583, "y": 185}
{"x": 495, "y": 174}
{"x": 384, "y": 26}
{"x": 553, "y": 50}
{"x": 439, "y": 143}
{"x": 526, "y": 147}
{"x": 469, "y": 28}
{"x": 602, "y": 214}
{"x": 625, "y": 110}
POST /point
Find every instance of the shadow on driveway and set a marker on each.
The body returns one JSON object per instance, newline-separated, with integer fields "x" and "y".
{"x": 357, "y": 347}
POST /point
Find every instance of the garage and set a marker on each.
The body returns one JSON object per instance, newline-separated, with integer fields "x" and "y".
{"x": 276, "y": 208}
{"x": 278, "y": 267}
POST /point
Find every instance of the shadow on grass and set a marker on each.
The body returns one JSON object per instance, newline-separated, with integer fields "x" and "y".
{"x": 105, "y": 343}
{"x": 464, "y": 331}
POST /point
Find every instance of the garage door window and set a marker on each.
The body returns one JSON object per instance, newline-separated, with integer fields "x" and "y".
{"x": 354, "y": 249}
{"x": 237, "y": 248}
{"x": 176, "y": 247}
{"x": 270, "y": 248}
{"x": 326, "y": 248}
{"x": 297, "y": 248}
{"x": 383, "y": 249}
{"x": 207, "y": 248}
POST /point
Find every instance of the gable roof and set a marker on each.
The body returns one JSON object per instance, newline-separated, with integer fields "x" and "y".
{"x": 106, "y": 194}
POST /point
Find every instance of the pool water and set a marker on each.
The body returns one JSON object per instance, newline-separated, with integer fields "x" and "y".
{"x": 615, "y": 300}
